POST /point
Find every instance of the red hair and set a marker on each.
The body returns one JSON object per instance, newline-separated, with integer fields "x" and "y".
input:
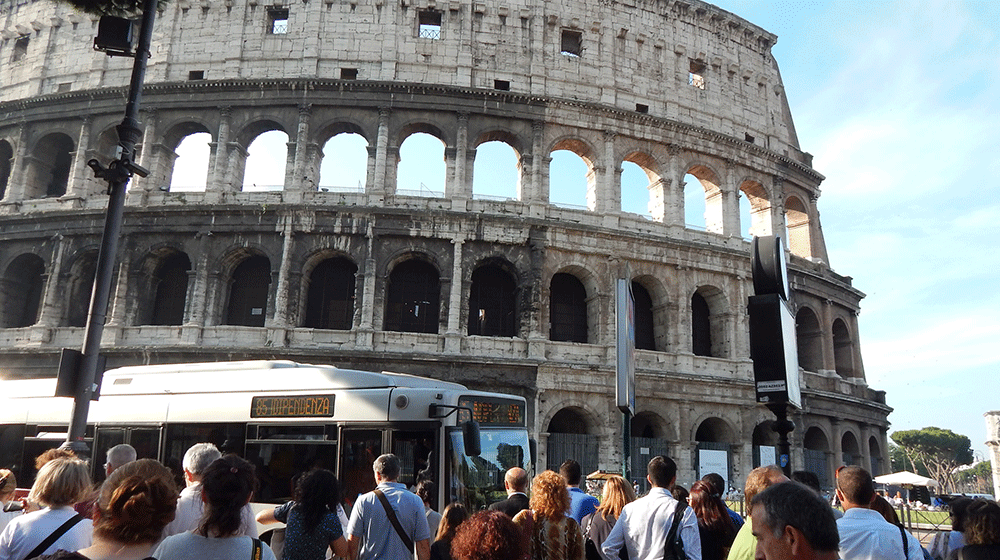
{"x": 488, "y": 535}
{"x": 708, "y": 506}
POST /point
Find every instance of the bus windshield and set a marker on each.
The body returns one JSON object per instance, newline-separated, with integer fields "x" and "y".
{"x": 478, "y": 481}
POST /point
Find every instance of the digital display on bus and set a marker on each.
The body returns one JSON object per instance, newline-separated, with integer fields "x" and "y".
{"x": 492, "y": 411}
{"x": 297, "y": 406}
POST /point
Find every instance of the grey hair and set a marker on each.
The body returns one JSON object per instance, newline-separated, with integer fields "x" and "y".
{"x": 387, "y": 466}
{"x": 793, "y": 504}
{"x": 199, "y": 456}
{"x": 120, "y": 454}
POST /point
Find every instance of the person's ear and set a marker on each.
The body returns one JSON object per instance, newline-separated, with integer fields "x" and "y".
{"x": 796, "y": 542}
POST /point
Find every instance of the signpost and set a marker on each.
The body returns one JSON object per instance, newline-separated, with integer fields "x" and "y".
{"x": 625, "y": 367}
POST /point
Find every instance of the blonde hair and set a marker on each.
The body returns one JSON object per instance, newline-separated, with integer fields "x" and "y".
{"x": 8, "y": 484}
{"x": 759, "y": 479}
{"x": 61, "y": 482}
{"x": 549, "y": 496}
{"x": 617, "y": 493}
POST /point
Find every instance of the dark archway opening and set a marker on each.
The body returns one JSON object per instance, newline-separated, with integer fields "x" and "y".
{"x": 414, "y": 298}
{"x": 330, "y": 303}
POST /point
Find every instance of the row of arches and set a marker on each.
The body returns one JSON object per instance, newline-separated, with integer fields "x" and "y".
{"x": 469, "y": 158}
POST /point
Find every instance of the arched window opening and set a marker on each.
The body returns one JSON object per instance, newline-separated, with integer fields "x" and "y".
{"x": 21, "y": 291}
{"x": 414, "y": 298}
{"x": 171, "y": 279}
{"x": 746, "y": 216}
{"x": 6, "y": 163}
{"x": 421, "y": 169}
{"x": 49, "y": 167}
{"x": 267, "y": 157}
{"x": 875, "y": 452}
{"x": 843, "y": 349}
{"x": 635, "y": 189}
{"x": 645, "y": 337}
{"x": 713, "y": 430}
{"x": 702, "y": 200}
{"x": 701, "y": 326}
{"x": 765, "y": 444}
{"x": 817, "y": 448}
{"x": 645, "y": 425}
{"x": 80, "y": 288}
{"x": 492, "y": 302}
{"x": 345, "y": 163}
{"x": 714, "y": 439}
{"x": 797, "y": 224}
{"x": 496, "y": 172}
{"x": 809, "y": 339}
{"x": 570, "y": 438}
{"x": 567, "y": 309}
{"x": 755, "y": 210}
{"x": 248, "y": 292}
{"x": 330, "y": 303}
{"x": 190, "y": 173}
{"x": 569, "y": 180}
{"x": 851, "y": 449}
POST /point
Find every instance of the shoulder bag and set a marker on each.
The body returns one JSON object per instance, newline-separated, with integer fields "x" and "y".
{"x": 391, "y": 514}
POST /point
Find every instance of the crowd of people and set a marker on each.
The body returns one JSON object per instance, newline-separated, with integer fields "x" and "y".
{"x": 139, "y": 513}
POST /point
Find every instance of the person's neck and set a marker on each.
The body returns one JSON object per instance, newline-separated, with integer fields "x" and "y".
{"x": 511, "y": 492}
{"x": 108, "y": 550}
{"x": 849, "y": 505}
{"x": 577, "y": 486}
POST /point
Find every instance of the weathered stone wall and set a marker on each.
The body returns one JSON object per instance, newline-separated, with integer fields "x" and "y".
{"x": 993, "y": 441}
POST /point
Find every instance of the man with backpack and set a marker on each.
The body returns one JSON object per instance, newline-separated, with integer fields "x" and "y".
{"x": 650, "y": 527}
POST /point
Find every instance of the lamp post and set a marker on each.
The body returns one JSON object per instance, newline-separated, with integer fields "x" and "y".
{"x": 80, "y": 374}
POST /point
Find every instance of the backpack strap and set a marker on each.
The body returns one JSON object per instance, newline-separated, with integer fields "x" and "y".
{"x": 673, "y": 535}
{"x": 257, "y": 552}
{"x": 906, "y": 542}
{"x": 54, "y": 536}
{"x": 391, "y": 514}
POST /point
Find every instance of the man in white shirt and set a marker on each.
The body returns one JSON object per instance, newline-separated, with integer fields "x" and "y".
{"x": 864, "y": 533}
{"x": 643, "y": 524}
{"x": 190, "y": 505}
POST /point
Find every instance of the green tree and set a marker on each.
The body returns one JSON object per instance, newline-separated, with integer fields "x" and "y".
{"x": 940, "y": 450}
{"x": 976, "y": 479}
{"x": 900, "y": 462}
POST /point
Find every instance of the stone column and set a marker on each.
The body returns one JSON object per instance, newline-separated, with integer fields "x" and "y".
{"x": 16, "y": 181}
{"x": 866, "y": 452}
{"x": 658, "y": 199}
{"x": 538, "y": 194}
{"x": 141, "y": 186}
{"x": 77, "y": 183}
{"x": 778, "y": 207}
{"x": 858, "y": 366}
{"x": 993, "y": 442}
{"x": 198, "y": 285}
{"x": 731, "y": 226}
{"x": 366, "y": 328}
{"x": 379, "y": 187}
{"x": 826, "y": 333}
{"x": 279, "y": 319}
{"x": 609, "y": 184}
{"x": 453, "y": 335}
{"x": 838, "y": 443}
{"x": 218, "y": 173}
{"x": 53, "y": 297}
{"x": 120, "y": 302}
{"x": 458, "y": 187}
{"x": 296, "y": 181}
{"x": 673, "y": 194}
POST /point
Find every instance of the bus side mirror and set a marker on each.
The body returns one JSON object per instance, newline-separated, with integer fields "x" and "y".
{"x": 533, "y": 451}
{"x": 470, "y": 435}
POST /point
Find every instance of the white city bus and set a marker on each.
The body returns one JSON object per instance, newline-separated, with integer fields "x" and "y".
{"x": 285, "y": 418}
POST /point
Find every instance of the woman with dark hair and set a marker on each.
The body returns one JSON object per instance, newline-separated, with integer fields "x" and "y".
{"x": 133, "y": 506}
{"x": 981, "y": 528}
{"x": 597, "y": 526}
{"x": 227, "y": 485}
{"x": 551, "y": 533}
{"x": 454, "y": 515}
{"x": 489, "y": 535}
{"x": 946, "y": 542}
{"x": 311, "y": 521}
{"x": 714, "y": 523}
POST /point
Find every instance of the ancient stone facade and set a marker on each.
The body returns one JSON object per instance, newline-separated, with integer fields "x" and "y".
{"x": 514, "y": 294}
{"x": 993, "y": 441}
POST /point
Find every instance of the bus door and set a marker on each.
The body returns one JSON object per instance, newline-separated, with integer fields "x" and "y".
{"x": 145, "y": 440}
{"x": 414, "y": 444}
{"x": 282, "y": 452}
{"x": 358, "y": 450}
{"x": 417, "y": 449}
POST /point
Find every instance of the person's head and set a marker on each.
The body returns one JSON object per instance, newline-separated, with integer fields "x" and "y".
{"x": 709, "y": 508}
{"x": 884, "y": 508}
{"x": 808, "y": 478}
{"x": 197, "y": 459}
{"x": 137, "y": 501}
{"x": 661, "y": 472}
{"x": 117, "y": 456}
{"x": 386, "y": 468}
{"x": 617, "y": 493}
{"x": 51, "y": 454}
{"x": 855, "y": 487}
{"x": 61, "y": 482}
{"x": 227, "y": 485}
{"x": 716, "y": 481}
{"x": 8, "y": 485}
{"x": 759, "y": 479}
{"x": 958, "y": 506}
{"x": 680, "y": 493}
{"x": 317, "y": 492}
{"x": 516, "y": 480}
{"x": 571, "y": 472}
{"x": 982, "y": 522}
{"x": 791, "y": 522}
{"x": 549, "y": 496}
{"x": 489, "y": 535}
{"x": 454, "y": 515}
{"x": 425, "y": 491}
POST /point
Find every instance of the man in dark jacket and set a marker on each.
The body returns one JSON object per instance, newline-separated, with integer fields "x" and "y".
{"x": 516, "y": 482}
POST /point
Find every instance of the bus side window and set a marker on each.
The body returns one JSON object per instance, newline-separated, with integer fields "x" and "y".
{"x": 11, "y": 449}
{"x": 358, "y": 451}
{"x": 415, "y": 450}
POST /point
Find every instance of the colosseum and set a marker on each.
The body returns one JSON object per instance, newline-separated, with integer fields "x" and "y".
{"x": 497, "y": 275}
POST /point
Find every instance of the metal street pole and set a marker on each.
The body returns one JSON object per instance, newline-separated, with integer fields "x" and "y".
{"x": 117, "y": 175}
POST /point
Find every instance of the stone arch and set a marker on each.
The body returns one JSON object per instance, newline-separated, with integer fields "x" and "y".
{"x": 573, "y": 312}
{"x": 346, "y": 168}
{"x": 713, "y": 436}
{"x": 49, "y": 166}
{"x": 269, "y": 156}
{"x": 578, "y": 146}
{"x": 764, "y": 441}
{"x": 877, "y": 457}
{"x": 188, "y": 142}
{"x": 413, "y": 296}
{"x": 809, "y": 338}
{"x": 632, "y": 192}
{"x": 644, "y": 319}
{"x": 573, "y": 434}
{"x": 843, "y": 349}
{"x": 252, "y": 129}
{"x": 760, "y": 209}
{"x": 248, "y": 273}
{"x": 649, "y": 424}
{"x": 569, "y": 195}
{"x": 341, "y": 125}
{"x": 163, "y": 286}
{"x": 713, "y": 429}
{"x": 176, "y": 132}
{"x": 425, "y": 177}
{"x": 493, "y": 299}
{"x": 797, "y": 224}
{"x": 81, "y": 269}
{"x": 497, "y": 162}
{"x": 499, "y": 134}
{"x": 660, "y": 303}
{"x": 711, "y": 185}
{"x": 21, "y": 289}
{"x": 6, "y": 164}
{"x": 330, "y": 284}
{"x": 414, "y": 126}
{"x": 709, "y": 332}
{"x": 816, "y": 452}
{"x": 850, "y": 448}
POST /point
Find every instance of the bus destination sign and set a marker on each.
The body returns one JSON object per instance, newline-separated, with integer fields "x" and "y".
{"x": 296, "y": 406}
{"x": 492, "y": 411}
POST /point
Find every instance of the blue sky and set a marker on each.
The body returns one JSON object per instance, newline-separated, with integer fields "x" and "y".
{"x": 899, "y": 102}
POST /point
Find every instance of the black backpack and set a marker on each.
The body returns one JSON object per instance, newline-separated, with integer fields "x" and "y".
{"x": 674, "y": 548}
